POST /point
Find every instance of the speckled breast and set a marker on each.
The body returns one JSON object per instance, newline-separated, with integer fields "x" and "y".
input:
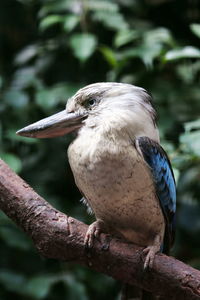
{"x": 118, "y": 185}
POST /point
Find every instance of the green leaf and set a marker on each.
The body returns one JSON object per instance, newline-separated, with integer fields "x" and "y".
{"x": 104, "y": 6}
{"x": 144, "y": 52}
{"x": 109, "y": 55}
{"x": 17, "y": 99}
{"x": 191, "y": 142}
{"x": 124, "y": 37}
{"x": 12, "y": 160}
{"x": 113, "y": 21}
{"x": 186, "y": 72}
{"x": 195, "y": 28}
{"x": 38, "y": 287}
{"x": 151, "y": 46}
{"x": 52, "y": 7}
{"x": 12, "y": 281}
{"x": 185, "y": 52}
{"x": 49, "y": 21}
{"x": 75, "y": 289}
{"x": 154, "y": 43}
{"x": 159, "y": 36}
{"x": 24, "y": 77}
{"x": 49, "y": 97}
{"x": 148, "y": 54}
{"x": 46, "y": 99}
{"x": 192, "y": 125}
{"x": 70, "y": 22}
{"x": 83, "y": 45}
{"x": 26, "y": 54}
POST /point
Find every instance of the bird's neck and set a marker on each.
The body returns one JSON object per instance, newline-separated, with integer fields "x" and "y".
{"x": 92, "y": 144}
{"x": 107, "y": 136}
{"x": 108, "y": 139}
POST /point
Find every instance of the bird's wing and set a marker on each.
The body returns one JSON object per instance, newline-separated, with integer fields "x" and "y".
{"x": 162, "y": 173}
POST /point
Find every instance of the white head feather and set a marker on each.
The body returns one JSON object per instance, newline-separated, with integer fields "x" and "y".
{"x": 119, "y": 109}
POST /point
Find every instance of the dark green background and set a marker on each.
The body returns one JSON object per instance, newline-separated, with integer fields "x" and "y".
{"x": 49, "y": 49}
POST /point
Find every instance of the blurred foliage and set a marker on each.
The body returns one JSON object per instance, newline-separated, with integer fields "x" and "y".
{"x": 49, "y": 49}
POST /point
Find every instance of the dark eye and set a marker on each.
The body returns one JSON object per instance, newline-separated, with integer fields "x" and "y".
{"x": 91, "y": 102}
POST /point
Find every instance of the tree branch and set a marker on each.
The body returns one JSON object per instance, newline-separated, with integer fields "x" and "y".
{"x": 58, "y": 236}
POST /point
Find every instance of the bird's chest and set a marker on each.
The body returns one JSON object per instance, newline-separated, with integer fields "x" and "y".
{"x": 118, "y": 186}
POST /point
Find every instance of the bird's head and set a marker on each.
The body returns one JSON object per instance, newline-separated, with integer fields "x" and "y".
{"x": 101, "y": 106}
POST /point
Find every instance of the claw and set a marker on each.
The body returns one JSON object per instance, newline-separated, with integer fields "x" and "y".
{"x": 150, "y": 253}
{"x": 93, "y": 232}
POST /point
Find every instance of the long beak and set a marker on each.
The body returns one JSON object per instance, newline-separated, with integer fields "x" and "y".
{"x": 55, "y": 125}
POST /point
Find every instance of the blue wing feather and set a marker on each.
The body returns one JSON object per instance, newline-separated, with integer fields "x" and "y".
{"x": 164, "y": 180}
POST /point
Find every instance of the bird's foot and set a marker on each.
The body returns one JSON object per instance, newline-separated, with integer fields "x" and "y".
{"x": 94, "y": 231}
{"x": 150, "y": 252}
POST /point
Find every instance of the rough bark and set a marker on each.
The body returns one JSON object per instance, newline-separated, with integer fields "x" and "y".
{"x": 59, "y": 236}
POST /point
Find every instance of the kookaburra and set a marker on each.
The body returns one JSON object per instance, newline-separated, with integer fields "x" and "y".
{"x": 118, "y": 164}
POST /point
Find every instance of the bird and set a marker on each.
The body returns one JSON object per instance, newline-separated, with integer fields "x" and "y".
{"x": 118, "y": 164}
